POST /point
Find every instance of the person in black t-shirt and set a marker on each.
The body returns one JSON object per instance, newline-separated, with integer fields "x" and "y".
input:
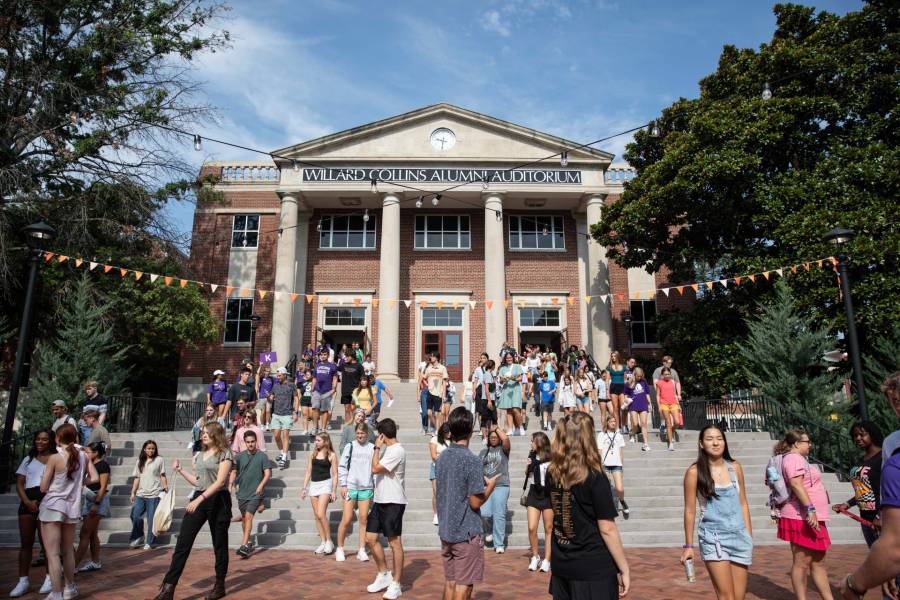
{"x": 587, "y": 561}
{"x": 866, "y": 477}
{"x": 243, "y": 388}
{"x": 94, "y": 507}
{"x": 351, "y": 372}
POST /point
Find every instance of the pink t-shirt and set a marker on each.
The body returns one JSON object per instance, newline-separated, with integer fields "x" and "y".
{"x": 666, "y": 390}
{"x": 793, "y": 465}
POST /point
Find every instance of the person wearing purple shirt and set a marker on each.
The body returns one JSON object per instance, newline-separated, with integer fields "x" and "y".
{"x": 264, "y": 384}
{"x": 217, "y": 392}
{"x": 326, "y": 376}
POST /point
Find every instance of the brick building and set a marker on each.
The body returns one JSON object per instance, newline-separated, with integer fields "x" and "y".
{"x": 361, "y": 222}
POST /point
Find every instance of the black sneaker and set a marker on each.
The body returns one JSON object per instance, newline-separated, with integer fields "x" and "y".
{"x": 625, "y": 512}
{"x": 243, "y": 551}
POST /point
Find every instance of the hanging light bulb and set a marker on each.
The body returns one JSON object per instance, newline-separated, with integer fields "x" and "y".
{"x": 766, "y": 91}
{"x": 295, "y": 165}
{"x": 198, "y": 143}
{"x": 366, "y": 216}
{"x": 563, "y": 159}
{"x": 419, "y": 202}
{"x": 280, "y": 231}
{"x": 374, "y": 185}
{"x": 545, "y": 232}
{"x": 499, "y": 215}
{"x": 436, "y": 200}
{"x": 654, "y": 129}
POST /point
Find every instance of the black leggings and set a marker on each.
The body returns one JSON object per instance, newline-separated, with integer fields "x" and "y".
{"x": 217, "y": 511}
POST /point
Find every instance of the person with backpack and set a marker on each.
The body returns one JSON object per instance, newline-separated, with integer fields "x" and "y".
{"x": 801, "y": 503}
{"x": 725, "y": 533}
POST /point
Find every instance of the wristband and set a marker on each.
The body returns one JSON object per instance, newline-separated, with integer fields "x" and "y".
{"x": 811, "y": 508}
{"x": 849, "y": 583}
{"x": 687, "y": 546}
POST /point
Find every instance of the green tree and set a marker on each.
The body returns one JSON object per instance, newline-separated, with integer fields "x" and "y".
{"x": 737, "y": 183}
{"x": 783, "y": 356}
{"x": 83, "y": 348}
{"x": 881, "y": 359}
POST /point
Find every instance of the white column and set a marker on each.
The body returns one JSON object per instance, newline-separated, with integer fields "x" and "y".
{"x": 389, "y": 289}
{"x": 284, "y": 278}
{"x": 582, "y": 247}
{"x": 297, "y": 342}
{"x": 599, "y": 313}
{"x": 494, "y": 274}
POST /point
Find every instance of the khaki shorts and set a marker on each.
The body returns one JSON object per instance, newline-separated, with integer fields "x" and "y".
{"x": 669, "y": 408}
{"x": 322, "y": 402}
{"x": 463, "y": 561}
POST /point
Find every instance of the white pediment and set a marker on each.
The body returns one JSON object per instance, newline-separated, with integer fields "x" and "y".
{"x": 407, "y": 138}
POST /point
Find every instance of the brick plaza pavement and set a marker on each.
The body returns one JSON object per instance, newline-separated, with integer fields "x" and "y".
{"x": 284, "y": 574}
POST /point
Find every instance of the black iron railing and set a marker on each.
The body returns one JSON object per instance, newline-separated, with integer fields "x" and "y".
{"x": 137, "y": 413}
{"x": 743, "y": 411}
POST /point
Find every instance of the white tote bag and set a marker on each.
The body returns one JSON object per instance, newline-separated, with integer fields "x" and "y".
{"x": 162, "y": 519}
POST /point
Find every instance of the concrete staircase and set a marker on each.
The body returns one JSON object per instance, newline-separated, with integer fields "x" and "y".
{"x": 653, "y": 484}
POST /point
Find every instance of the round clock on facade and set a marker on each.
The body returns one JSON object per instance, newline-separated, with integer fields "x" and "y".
{"x": 443, "y": 139}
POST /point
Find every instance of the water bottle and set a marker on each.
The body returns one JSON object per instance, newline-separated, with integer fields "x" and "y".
{"x": 689, "y": 570}
{"x": 772, "y": 474}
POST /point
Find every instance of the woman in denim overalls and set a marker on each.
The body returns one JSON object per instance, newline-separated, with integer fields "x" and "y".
{"x": 725, "y": 532}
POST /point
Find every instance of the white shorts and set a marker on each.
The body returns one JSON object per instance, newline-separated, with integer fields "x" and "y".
{"x": 318, "y": 488}
{"x": 49, "y": 515}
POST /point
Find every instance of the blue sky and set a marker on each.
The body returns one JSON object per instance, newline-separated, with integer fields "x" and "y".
{"x": 582, "y": 69}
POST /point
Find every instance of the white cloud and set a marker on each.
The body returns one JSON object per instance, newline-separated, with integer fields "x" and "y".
{"x": 490, "y": 21}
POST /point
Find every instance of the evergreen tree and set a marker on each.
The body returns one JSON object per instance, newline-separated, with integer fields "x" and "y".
{"x": 880, "y": 359}
{"x": 783, "y": 355}
{"x": 84, "y": 348}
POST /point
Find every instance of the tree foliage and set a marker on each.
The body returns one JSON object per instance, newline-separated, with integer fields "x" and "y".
{"x": 736, "y": 183}
{"x": 783, "y": 357}
{"x": 84, "y": 347}
{"x": 882, "y": 359}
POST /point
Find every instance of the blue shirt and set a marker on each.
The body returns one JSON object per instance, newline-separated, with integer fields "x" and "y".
{"x": 547, "y": 388}
{"x": 379, "y": 387}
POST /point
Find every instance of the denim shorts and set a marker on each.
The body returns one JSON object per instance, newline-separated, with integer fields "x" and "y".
{"x": 734, "y": 546}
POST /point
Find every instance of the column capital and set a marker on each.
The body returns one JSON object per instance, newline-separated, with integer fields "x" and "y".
{"x": 594, "y": 197}
{"x": 490, "y": 196}
{"x": 388, "y": 198}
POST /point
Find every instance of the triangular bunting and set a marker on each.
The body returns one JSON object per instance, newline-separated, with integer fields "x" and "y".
{"x": 138, "y": 275}
{"x": 228, "y": 288}
{"x": 695, "y": 287}
{"x": 634, "y": 295}
{"x": 472, "y": 303}
{"x": 262, "y": 294}
{"x": 489, "y": 304}
{"x": 570, "y": 300}
{"x": 506, "y": 304}
{"x": 154, "y": 277}
{"x": 294, "y": 297}
{"x": 766, "y": 274}
{"x": 323, "y": 299}
{"x": 408, "y": 303}
{"x": 665, "y": 291}
{"x": 794, "y": 269}
{"x": 214, "y": 287}
{"x": 603, "y": 298}
{"x": 244, "y": 291}
{"x": 375, "y": 302}
{"x": 818, "y": 262}
{"x": 392, "y": 303}
{"x": 752, "y": 278}
{"x": 439, "y": 304}
{"x": 806, "y": 266}
{"x": 310, "y": 298}
{"x": 587, "y": 299}
{"x": 708, "y": 284}
{"x": 48, "y": 255}
{"x": 63, "y": 258}
{"x": 423, "y": 304}
{"x": 357, "y": 301}
{"x": 680, "y": 289}
{"x": 78, "y": 262}
{"x": 107, "y": 268}
{"x": 737, "y": 280}
{"x": 621, "y": 297}
{"x": 184, "y": 282}
{"x": 456, "y": 305}
{"x": 92, "y": 266}
{"x": 724, "y": 283}
{"x": 123, "y": 272}
{"x": 554, "y": 300}
{"x": 780, "y": 272}
{"x": 168, "y": 281}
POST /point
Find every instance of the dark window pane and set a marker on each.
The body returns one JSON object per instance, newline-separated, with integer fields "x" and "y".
{"x": 529, "y": 239}
{"x": 464, "y": 240}
{"x": 355, "y": 239}
{"x": 451, "y": 240}
{"x": 252, "y": 239}
{"x": 420, "y": 239}
{"x": 513, "y": 239}
{"x": 240, "y": 222}
{"x": 370, "y": 239}
{"x": 231, "y": 331}
{"x": 553, "y": 318}
{"x": 370, "y": 226}
{"x": 339, "y": 239}
{"x": 246, "y": 309}
{"x": 324, "y": 239}
{"x": 232, "y": 310}
{"x": 464, "y": 223}
{"x": 637, "y": 310}
{"x": 559, "y": 240}
{"x": 451, "y": 224}
{"x": 420, "y": 223}
{"x": 652, "y": 337}
{"x": 544, "y": 241}
{"x": 243, "y": 331}
{"x": 253, "y": 222}
{"x": 637, "y": 334}
{"x": 649, "y": 310}
{"x": 355, "y": 222}
{"x": 237, "y": 239}
{"x": 434, "y": 240}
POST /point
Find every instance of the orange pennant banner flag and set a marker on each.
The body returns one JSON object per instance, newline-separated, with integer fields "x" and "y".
{"x": 375, "y": 302}
{"x": 262, "y": 294}
{"x": 244, "y": 291}
{"x": 107, "y": 268}
{"x": 752, "y": 278}
{"x": 489, "y": 304}
{"x": 818, "y": 262}
{"x": 294, "y": 297}
{"x": 554, "y": 300}
{"x": 766, "y": 274}
{"x": 506, "y": 304}
{"x": 570, "y": 300}
{"x": 62, "y": 258}
{"x": 456, "y": 305}
{"x": 737, "y": 280}
{"x": 123, "y": 272}
{"x": 357, "y": 301}
{"x": 423, "y": 304}
{"x": 392, "y": 303}
{"x": 587, "y": 299}
{"x": 168, "y": 281}
{"x": 78, "y": 262}
{"x": 695, "y": 286}
{"x": 793, "y": 268}
{"x": 228, "y": 288}
{"x": 708, "y": 285}
{"x": 184, "y": 282}
{"x": 48, "y": 255}
{"x": 138, "y": 275}
{"x": 806, "y": 266}
{"x": 439, "y": 304}
{"x": 309, "y": 298}
{"x": 621, "y": 297}
{"x": 680, "y": 289}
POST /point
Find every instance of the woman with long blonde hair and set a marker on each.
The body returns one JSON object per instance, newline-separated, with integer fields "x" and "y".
{"x": 210, "y": 502}
{"x": 587, "y": 560}
{"x": 616, "y": 370}
{"x": 320, "y": 484}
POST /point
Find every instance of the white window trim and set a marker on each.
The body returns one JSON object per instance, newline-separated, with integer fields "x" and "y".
{"x": 330, "y": 220}
{"x": 458, "y": 249}
{"x": 552, "y": 231}
{"x": 462, "y": 297}
{"x": 631, "y": 328}
{"x": 345, "y": 327}
{"x": 344, "y": 299}
{"x": 245, "y": 230}
{"x": 446, "y": 306}
{"x": 526, "y": 299}
{"x": 225, "y": 321}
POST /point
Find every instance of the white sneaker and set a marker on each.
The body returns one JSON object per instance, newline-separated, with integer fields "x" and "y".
{"x": 136, "y": 543}
{"x": 534, "y": 564}
{"x": 393, "y": 591}
{"x": 89, "y": 566}
{"x": 329, "y": 547}
{"x": 488, "y": 539}
{"x": 148, "y": 547}
{"x": 54, "y": 596}
{"x": 362, "y": 555}
{"x": 545, "y": 566}
{"x": 21, "y": 588}
{"x": 435, "y": 520}
{"x": 499, "y": 550}
{"x": 47, "y": 586}
{"x": 671, "y": 446}
{"x": 320, "y": 549}
{"x": 382, "y": 582}
{"x": 509, "y": 432}
{"x": 339, "y": 555}
{"x": 70, "y": 592}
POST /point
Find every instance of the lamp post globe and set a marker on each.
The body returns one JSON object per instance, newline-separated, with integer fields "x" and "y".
{"x": 36, "y": 235}
{"x": 840, "y": 236}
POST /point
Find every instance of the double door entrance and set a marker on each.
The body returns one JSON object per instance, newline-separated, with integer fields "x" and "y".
{"x": 449, "y": 345}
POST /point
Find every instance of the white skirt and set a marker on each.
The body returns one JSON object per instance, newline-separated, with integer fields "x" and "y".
{"x": 317, "y": 488}
{"x": 567, "y": 399}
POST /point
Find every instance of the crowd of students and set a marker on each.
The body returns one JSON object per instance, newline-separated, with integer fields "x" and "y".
{"x": 572, "y": 480}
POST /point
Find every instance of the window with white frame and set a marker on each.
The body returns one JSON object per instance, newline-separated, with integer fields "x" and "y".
{"x": 345, "y": 317}
{"x": 347, "y": 231}
{"x": 539, "y": 317}
{"x": 237, "y": 320}
{"x": 536, "y": 232}
{"x": 643, "y": 322}
{"x": 443, "y": 232}
{"x": 441, "y": 317}
{"x": 245, "y": 231}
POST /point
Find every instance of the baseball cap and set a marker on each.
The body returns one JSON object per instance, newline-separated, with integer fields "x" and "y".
{"x": 218, "y": 372}
{"x": 281, "y": 370}
{"x": 59, "y": 403}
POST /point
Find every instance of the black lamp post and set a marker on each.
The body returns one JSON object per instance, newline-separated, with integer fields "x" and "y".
{"x": 839, "y": 237}
{"x": 626, "y": 318}
{"x": 35, "y": 235}
{"x": 254, "y": 323}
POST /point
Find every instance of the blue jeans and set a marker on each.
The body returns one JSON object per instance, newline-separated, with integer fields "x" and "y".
{"x": 141, "y": 506}
{"x": 423, "y": 402}
{"x": 495, "y": 510}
